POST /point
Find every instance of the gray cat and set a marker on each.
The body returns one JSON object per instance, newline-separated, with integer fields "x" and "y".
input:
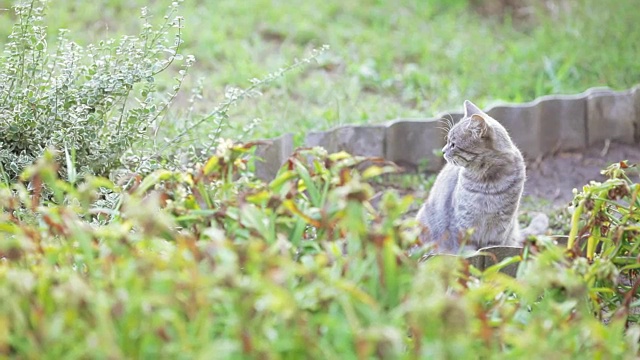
{"x": 474, "y": 200}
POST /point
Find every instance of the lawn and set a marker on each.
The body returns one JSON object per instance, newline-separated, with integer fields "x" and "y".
{"x": 387, "y": 59}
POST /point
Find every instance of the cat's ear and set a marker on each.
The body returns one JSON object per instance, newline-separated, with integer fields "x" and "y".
{"x": 478, "y": 125}
{"x": 471, "y": 109}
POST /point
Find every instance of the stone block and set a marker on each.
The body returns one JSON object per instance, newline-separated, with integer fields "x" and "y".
{"x": 611, "y": 115}
{"x": 476, "y": 261}
{"x": 317, "y": 138}
{"x": 356, "y": 140}
{"x": 524, "y": 127}
{"x": 498, "y": 254}
{"x": 544, "y": 126}
{"x": 489, "y": 256}
{"x": 271, "y": 155}
{"x": 565, "y": 117}
{"x": 411, "y": 143}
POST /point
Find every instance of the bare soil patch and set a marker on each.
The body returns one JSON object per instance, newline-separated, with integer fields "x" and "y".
{"x": 554, "y": 178}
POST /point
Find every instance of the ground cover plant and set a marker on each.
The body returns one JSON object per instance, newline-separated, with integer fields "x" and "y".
{"x": 108, "y": 249}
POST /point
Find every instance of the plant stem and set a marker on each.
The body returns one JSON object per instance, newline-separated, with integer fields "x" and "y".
{"x": 575, "y": 219}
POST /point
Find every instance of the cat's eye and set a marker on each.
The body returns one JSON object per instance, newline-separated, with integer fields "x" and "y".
{"x": 452, "y": 144}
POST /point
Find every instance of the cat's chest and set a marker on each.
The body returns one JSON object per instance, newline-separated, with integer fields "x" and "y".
{"x": 489, "y": 209}
{"x": 470, "y": 198}
{"x": 466, "y": 201}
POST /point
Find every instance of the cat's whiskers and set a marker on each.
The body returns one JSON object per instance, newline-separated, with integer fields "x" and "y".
{"x": 449, "y": 120}
{"x": 447, "y": 124}
{"x": 444, "y": 129}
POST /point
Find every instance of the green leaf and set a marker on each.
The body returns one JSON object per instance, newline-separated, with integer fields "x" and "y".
{"x": 309, "y": 185}
{"x": 153, "y": 179}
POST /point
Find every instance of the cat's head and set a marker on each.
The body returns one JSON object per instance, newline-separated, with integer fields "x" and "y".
{"x": 475, "y": 137}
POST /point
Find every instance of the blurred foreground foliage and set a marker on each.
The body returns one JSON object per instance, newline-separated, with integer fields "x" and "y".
{"x": 212, "y": 263}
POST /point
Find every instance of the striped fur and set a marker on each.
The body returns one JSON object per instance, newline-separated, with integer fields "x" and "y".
{"x": 474, "y": 200}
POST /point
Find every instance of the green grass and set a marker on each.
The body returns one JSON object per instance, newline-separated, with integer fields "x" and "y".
{"x": 388, "y": 59}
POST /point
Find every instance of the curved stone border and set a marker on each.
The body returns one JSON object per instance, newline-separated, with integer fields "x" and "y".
{"x": 539, "y": 128}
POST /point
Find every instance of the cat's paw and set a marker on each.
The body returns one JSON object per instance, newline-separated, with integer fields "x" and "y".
{"x": 538, "y": 225}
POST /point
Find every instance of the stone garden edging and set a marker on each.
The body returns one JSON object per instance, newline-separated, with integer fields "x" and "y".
{"x": 539, "y": 128}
